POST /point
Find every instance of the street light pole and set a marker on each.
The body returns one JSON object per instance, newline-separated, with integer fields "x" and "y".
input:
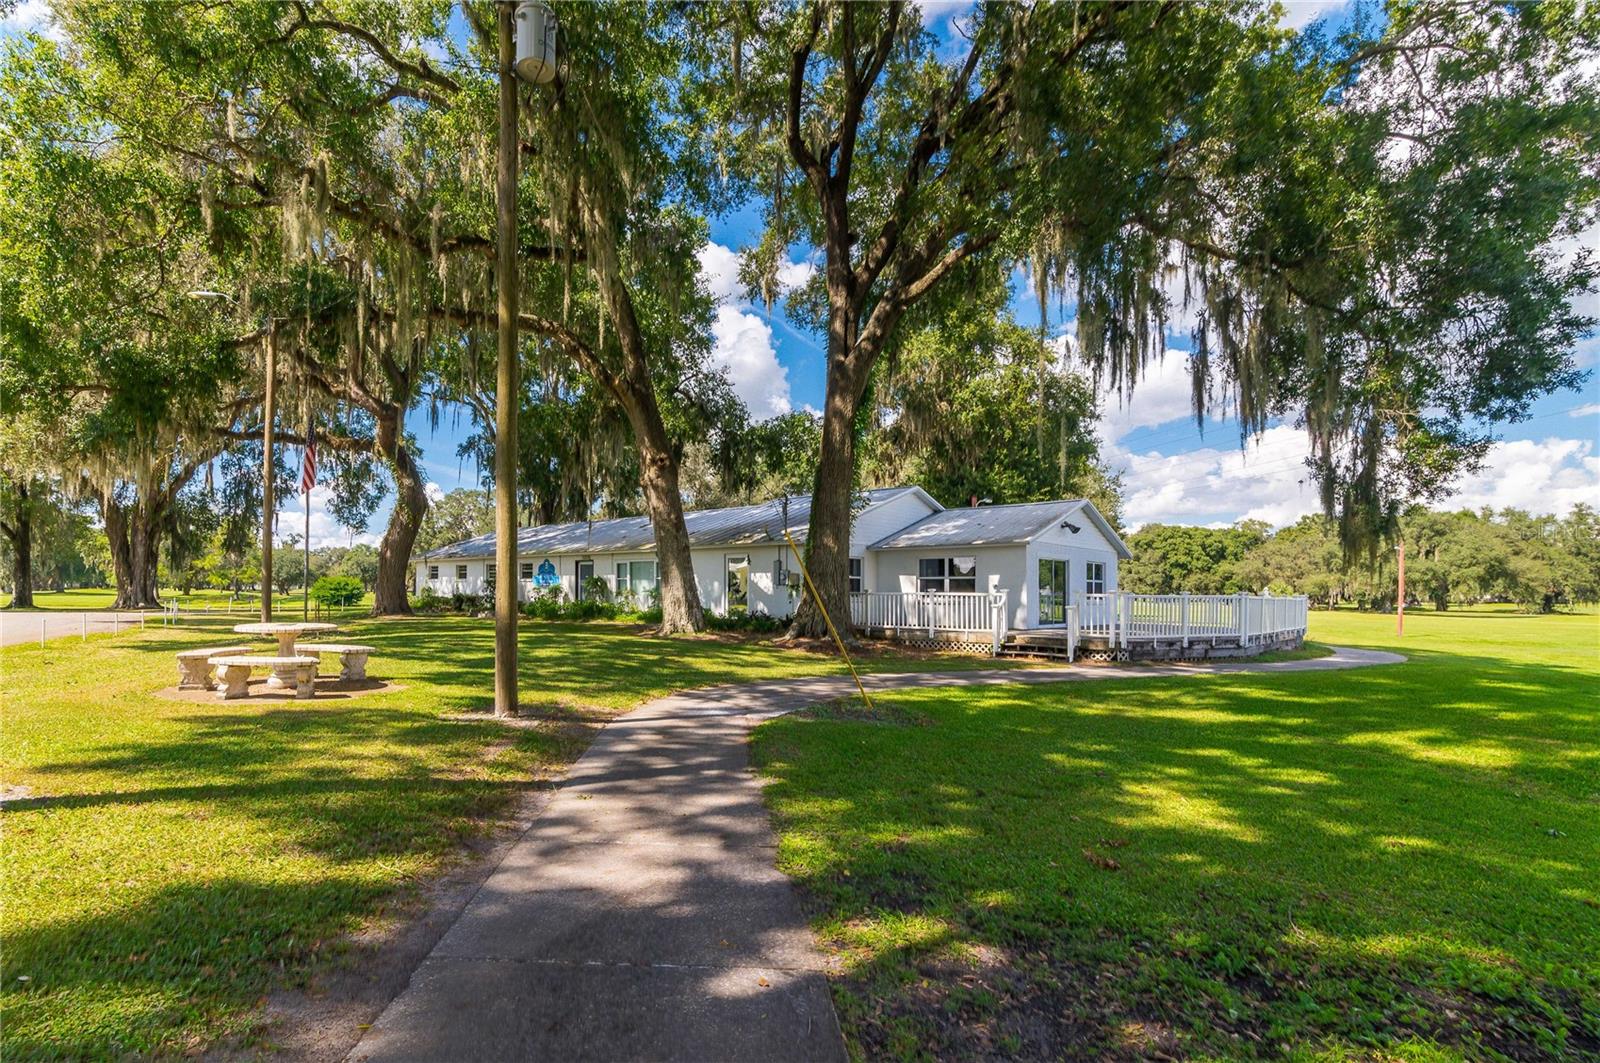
{"x": 267, "y": 501}
{"x": 1400, "y": 591}
{"x": 507, "y": 387}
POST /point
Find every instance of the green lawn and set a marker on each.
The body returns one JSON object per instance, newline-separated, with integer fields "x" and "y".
{"x": 177, "y": 860}
{"x": 1400, "y": 862}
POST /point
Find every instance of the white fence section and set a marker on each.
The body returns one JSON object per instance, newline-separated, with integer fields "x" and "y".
{"x": 981, "y": 612}
{"x": 1122, "y": 618}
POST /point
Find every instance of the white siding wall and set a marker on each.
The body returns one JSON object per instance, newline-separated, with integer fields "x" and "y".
{"x": 999, "y": 568}
{"x": 1077, "y": 551}
{"x": 886, "y": 518}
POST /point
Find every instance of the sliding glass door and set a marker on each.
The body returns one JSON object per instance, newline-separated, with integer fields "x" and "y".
{"x": 1052, "y": 590}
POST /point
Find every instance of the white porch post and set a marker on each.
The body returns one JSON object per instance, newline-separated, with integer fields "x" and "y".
{"x": 1184, "y": 608}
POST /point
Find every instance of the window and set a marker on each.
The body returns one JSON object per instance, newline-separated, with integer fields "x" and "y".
{"x": 461, "y": 572}
{"x": 488, "y": 575}
{"x": 855, "y": 575}
{"x": 636, "y": 579}
{"x": 938, "y": 574}
{"x": 433, "y": 571}
{"x": 527, "y": 571}
{"x": 1094, "y": 577}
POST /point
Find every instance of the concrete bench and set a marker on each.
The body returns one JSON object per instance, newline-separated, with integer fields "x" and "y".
{"x": 352, "y": 658}
{"x": 194, "y": 666}
{"x": 235, "y": 672}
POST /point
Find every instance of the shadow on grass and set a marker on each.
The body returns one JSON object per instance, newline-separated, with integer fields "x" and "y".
{"x": 187, "y": 957}
{"x": 1124, "y": 869}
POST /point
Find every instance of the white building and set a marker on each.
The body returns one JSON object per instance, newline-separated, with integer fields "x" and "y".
{"x": 1040, "y": 556}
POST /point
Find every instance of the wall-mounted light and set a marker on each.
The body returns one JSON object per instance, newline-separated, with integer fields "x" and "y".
{"x": 1071, "y": 527}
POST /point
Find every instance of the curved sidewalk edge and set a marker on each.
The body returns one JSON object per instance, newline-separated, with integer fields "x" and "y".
{"x": 642, "y": 916}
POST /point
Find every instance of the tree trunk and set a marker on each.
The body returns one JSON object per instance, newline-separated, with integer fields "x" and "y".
{"x": 391, "y": 591}
{"x": 135, "y": 539}
{"x": 658, "y": 464}
{"x": 20, "y": 533}
{"x": 658, "y": 475}
{"x": 828, "y": 538}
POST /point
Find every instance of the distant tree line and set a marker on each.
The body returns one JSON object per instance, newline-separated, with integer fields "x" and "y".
{"x": 1452, "y": 558}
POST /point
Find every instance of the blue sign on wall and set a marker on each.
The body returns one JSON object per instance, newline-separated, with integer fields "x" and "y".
{"x": 546, "y": 575}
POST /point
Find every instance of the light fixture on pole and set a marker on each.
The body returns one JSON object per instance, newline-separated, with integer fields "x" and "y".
{"x": 536, "y": 42}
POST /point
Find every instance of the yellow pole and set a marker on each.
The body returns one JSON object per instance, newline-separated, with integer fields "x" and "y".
{"x": 829, "y": 620}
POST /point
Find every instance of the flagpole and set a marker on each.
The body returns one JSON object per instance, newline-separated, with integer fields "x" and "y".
{"x": 305, "y": 580}
{"x": 309, "y": 475}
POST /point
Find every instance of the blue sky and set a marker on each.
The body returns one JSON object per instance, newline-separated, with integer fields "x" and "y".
{"x": 1174, "y": 470}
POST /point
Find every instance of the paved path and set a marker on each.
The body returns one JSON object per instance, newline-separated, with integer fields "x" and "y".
{"x": 641, "y": 916}
{"x": 57, "y": 623}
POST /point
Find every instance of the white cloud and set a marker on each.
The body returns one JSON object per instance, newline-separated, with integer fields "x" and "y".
{"x": 719, "y": 266}
{"x": 932, "y": 11}
{"x": 1267, "y": 480}
{"x": 792, "y": 275}
{"x": 325, "y": 531}
{"x": 1297, "y": 14}
{"x": 741, "y": 345}
{"x": 1591, "y": 410}
{"x": 32, "y": 16}
{"x": 1541, "y": 476}
{"x": 741, "y": 339}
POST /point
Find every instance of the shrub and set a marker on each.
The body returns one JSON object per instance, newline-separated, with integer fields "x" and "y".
{"x": 337, "y": 590}
{"x": 759, "y": 623}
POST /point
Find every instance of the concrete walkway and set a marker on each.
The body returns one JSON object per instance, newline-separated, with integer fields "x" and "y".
{"x": 642, "y": 917}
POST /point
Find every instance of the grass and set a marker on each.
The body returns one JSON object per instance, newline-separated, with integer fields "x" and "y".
{"x": 175, "y": 861}
{"x": 1398, "y": 862}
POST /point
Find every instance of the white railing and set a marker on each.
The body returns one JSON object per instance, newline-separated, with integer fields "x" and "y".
{"x": 1122, "y": 618}
{"x": 929, "y": 611}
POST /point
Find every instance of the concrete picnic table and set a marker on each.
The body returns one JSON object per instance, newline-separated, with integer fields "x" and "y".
{"x": 286, "y": 635}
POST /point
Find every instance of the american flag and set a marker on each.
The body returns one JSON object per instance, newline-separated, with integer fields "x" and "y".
{"x": 308, "y": 469}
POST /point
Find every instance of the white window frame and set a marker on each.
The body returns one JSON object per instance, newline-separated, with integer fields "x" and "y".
{"x": 461, "y": 572}
{"x": 525, "y": 570}
{"x": 946, "y": 579}
{"x": 433, "y": 571}
{"x": 1094, "y": 577}
{"x": 489, "y": 572}
{"x": 857, "y": 575}
{"x": 638, "y": 588}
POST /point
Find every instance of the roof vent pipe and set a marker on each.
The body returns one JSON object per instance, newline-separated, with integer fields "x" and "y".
{"x": 536, "y": 42}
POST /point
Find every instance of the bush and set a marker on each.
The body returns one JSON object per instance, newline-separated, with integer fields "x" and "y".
{"x": 337, "y": 590}
{"x": 550, "y": 605}
{"x": 759, "y": 623}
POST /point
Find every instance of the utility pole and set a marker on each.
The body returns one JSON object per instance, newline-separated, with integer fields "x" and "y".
{"x": 507, "y": 388}
{"x": 1400, "y": 592}
{"x": 267, "y": 501}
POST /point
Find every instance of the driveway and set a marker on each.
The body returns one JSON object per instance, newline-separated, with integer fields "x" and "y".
{"x": 57, "y": 624}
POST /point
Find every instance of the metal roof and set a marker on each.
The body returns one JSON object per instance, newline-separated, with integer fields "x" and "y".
{"x": 730, "y": 526}
{"x": 995, "y": 525}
